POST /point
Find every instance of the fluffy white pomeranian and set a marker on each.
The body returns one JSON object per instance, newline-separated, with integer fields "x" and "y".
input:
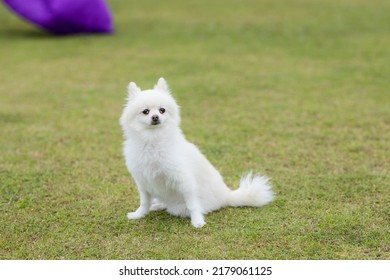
{"x": 170, "y": 172}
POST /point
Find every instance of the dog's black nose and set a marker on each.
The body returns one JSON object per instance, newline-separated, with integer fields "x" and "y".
{"x": 154, "y": 118}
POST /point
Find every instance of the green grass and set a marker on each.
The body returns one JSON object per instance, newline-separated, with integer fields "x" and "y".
{"x": 297, "y": 90}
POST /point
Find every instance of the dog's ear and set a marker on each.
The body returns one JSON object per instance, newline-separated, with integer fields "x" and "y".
{"x": 162, "y": 85}
{"x": 133, "y": 90}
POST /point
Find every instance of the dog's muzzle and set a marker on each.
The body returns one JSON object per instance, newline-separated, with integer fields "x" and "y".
{"x": 155, "y": 120}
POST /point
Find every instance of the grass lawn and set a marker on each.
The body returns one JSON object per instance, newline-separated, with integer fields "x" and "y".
{"x": 297, "y": 90}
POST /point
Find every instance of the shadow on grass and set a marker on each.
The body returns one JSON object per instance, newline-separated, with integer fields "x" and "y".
{"x": 25, "y": 34}
{"x": 37, "y": 34}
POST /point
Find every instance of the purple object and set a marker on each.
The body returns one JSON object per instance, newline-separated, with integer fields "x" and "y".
{"x": 65, "y": 16}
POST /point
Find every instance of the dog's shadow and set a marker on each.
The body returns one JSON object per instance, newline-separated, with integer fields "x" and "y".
{"x": 162, "y": 221}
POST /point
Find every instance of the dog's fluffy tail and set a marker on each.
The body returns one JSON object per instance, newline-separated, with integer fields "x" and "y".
{"x": 254, "y": 190}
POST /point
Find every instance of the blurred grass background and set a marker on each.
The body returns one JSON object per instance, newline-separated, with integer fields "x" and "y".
{"x": 298, "y": 90}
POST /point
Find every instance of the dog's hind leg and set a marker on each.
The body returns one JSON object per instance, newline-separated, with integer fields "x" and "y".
{"x": 157, "y": 205}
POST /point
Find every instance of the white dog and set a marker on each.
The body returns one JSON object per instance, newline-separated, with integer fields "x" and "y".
{"x": 170, "y": 172}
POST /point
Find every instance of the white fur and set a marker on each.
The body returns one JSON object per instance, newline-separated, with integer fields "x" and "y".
{"x": 172, "y": 173}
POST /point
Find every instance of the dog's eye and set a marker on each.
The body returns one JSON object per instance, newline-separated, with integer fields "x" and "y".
{"x": 162, "y": 110}
{"x": 146, "y": 111}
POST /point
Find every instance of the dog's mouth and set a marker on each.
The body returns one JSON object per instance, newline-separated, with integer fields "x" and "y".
{"x": 157, "y": 122}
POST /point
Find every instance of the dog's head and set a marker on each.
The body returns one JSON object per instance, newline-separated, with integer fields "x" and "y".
{"x": 149, "y": 109}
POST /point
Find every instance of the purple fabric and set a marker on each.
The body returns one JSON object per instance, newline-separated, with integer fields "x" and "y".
{"x": 65, "y": 16}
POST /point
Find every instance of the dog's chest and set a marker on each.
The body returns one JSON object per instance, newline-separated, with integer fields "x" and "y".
{"x": 151, "y": 162}
{"x": 154, "y": 162}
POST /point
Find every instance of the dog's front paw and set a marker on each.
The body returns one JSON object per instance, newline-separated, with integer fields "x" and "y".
{"x": 197, "y": 220}
{"x": 135, "y": 215}
{"x": 198, "y": 224}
